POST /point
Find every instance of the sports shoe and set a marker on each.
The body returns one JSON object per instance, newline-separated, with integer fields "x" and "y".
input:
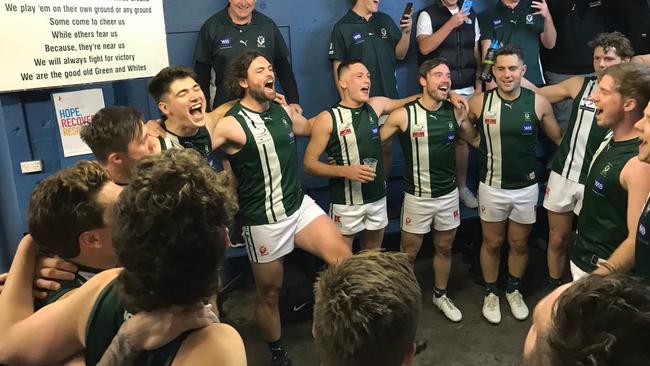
{"x": 467, "y": 198}
{"x": 491, "y": 309}
{"x": 448, "y": 308}
{"x": 517, "y": 305}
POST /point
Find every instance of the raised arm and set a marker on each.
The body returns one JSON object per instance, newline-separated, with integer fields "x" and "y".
{"x": 547, "y": 119}
{"x": 383, "y": 105}
{"x": 567, "y": 89}
{"x": 402, "y": 46}
{"x": 317, "y": 145}
{"x": 396, "y": 121}
{"x": 549, "y": 34}
{"x": 635, "y": 177}
{"x": 428, "y": 43}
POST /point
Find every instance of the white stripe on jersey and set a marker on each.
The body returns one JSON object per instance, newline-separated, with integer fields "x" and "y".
{"x": 580, "y": 136}
{"x": 349, "y": 152}
{"x": 492, "y": 111}
{"x": 601, "y": 148}
{"x": 420, "y": 150}
{"x": 270, "y": 166}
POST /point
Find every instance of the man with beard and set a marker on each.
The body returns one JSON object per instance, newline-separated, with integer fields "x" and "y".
{"x": 618, "y": 182}
{"x": 258, "y": 137}
{"x": 508, "y": 118}
{"x": 349, "y": 132}
{"x": 565, "y": 187}
{"x": 427, "y": 130}
{"x": 641, "y": 253}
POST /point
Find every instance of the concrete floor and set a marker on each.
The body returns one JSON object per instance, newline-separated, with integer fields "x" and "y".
{"x": 471, "y": 342}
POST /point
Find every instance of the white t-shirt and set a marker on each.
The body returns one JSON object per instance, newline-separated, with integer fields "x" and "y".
{"x": 425, "y": 28}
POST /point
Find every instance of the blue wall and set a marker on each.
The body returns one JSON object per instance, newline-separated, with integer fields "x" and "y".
{"x": 28, "y": 123}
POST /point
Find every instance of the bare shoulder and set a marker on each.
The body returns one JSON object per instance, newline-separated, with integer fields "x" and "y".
{"x": 574, "y": 84}
{"x": 476, "y": 104}
{"x": 216, "y": 344}
{"x": 636, "y": 170}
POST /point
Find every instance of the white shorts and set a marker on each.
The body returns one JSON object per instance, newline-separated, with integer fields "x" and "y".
{"x": 266, "y": 243}
{"x": 563, "y": 195}
{"x": 419, "y": 212}
{"x": 353, "y": 219}
{"x": 518, "y": 205}
{"x": 576, "y": 272}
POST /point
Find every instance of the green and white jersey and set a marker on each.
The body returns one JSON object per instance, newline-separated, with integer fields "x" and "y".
{"x": 508, "y": 131}
{"x": 581, "y": 138}
{"x": 642, "y": 251}
{"x": 355, "y": 136}
{"x": 105, "y": 320}
{"x": 428, "y": 146}
{"x": 269, "y": 190}
{"x": 200, "y": 141}
{"x": 602, "y": 223}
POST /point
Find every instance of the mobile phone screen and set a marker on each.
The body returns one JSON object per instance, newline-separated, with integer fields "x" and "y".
{"x": 407, "y": 9}
{"x": 467, "y": 5}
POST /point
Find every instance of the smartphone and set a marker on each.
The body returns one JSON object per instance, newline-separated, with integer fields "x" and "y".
{"x": 407, "y": 9}
{"x": 467, "y": 5}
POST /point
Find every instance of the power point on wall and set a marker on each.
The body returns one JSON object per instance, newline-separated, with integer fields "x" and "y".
{"x": 32, "y": 166}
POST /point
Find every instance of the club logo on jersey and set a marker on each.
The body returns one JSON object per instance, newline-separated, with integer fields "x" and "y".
{"x": 357, "y": 38}
{"x": 527, "y": 116}
{"x": 490, "y": 118}
{"x": 345, "y": 132}
{"x": 263, "y": 250}
{"x": 224, "y": 43}
{"x": 530, "y": 176}
{"x": 599, "y": 186}
{"x": 384, "y": 33}
{"x": 408, "y": 221}
{"x": 527, "y": 129}
{"x": 529, "y": 19}
{"x": 606, "y": 170}
{"x": 261, "y": 42}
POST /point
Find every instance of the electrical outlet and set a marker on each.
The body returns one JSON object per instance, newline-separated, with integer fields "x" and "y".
{"x": 32, "y": 166}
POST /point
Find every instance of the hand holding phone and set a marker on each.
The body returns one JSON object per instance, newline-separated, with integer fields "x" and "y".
{"x": 467, "y": 5}
{"x": 407, "y": 9}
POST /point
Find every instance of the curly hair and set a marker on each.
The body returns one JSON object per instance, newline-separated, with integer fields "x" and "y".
{"x": 159, "y": 85}
{"x": 366, "y": 310}
{"x": 64, "y": 205}
{"x": 615, "y": 41}
{"x": 602, "y": 321}
{"x": 237, "y": 70}
{"x": 169, "y": 231}
{"x": 632, "y": 81}
{"x": 111, "y": 130}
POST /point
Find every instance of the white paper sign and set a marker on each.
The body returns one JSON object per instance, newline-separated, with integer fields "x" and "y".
{"x": 73, "y": 111}
{"x": 65, "y": 42}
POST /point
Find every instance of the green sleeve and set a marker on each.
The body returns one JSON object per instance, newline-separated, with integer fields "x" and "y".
{"x": 281, "y": 50}
{"x": 337, "y": 45}
{"x": 203, "y": 52}
{"x": 395, "y": 32}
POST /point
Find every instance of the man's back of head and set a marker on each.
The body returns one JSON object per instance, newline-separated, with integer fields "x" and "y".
{"x": 597, "y": 321}
{"x": 366, "y": 311}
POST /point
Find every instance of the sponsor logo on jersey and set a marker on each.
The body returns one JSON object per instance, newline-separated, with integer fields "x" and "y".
{"x": 490, "y": 118}
{"x": 497, "y": 22}
{"x": 292, "y": 137}
{"x": 417, "y": 134}
{"x": 408, "y": 221}
{"x": 599, "y": 186}
{"x": 456, "y": 214}
{"x": 451, "y": 136}
{"x": 527, "y": 128}
{"x": 587, "y": 103}
{"x": 357, "y": 37}
{"x": 345, "y": 132}
{"x": 224, "y": 43}
{"x": 263, "y": 250}
{"x": 374, "y": 131}
{"x": 643, "y": 233}
{"x": 593, "y": 4}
